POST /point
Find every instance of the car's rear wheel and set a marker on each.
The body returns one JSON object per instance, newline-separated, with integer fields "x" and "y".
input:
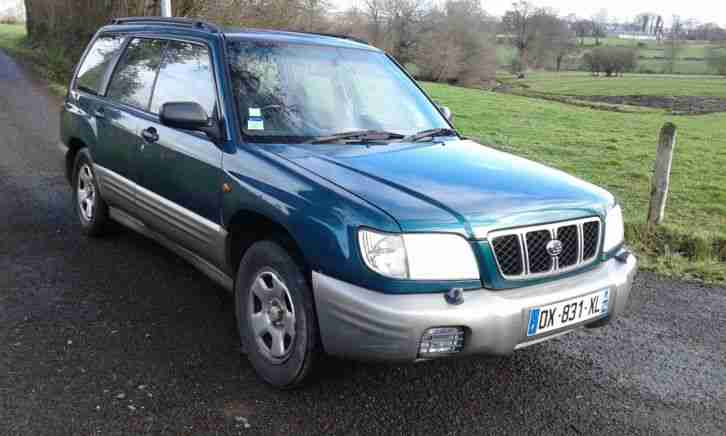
{"x": 275, "y": 315}
{"x": 90, "y": 208}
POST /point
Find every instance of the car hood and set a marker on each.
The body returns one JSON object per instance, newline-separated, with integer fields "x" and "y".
{"x": 452, "y": 186}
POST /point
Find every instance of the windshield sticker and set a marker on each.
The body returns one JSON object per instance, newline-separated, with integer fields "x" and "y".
{"x": 255, "y": 112}
{"x": 255, "y": 123}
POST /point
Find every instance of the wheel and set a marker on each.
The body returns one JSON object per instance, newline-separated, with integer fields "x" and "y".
{"x": 275, "y": 315}
{"x": 92, "y": 211}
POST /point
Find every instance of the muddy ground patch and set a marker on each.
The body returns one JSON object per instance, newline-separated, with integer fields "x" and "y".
{"x": 686, "y": 105}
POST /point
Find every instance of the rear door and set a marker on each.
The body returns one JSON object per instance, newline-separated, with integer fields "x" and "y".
{"x": 120, "y": 120}
{"x": 86, "y": 103}
{"x": 180, "y": 170}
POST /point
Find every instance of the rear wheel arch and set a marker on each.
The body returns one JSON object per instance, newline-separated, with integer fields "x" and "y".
{"x": 74, "y": 146}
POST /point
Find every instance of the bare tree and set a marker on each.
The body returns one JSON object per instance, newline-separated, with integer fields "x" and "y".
{"x": 553, "y": 40}
{"x": 706, "y": 32}
{"x": 658, "y": 28}
{"x": 402, "y": 17}
{"x": 376, "y": 23}
{"x": 582, "y": 29}
{"x": 455, "y": 44}
{"x": 312, "y": 17}
{"x": 717, "y": 59}
{"x": 675, "y": 45}
{"x": 519, "y": 23}
{"x": 599, "y": 25}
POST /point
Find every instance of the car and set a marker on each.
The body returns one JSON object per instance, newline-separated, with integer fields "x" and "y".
{"x": 312, "y": 177}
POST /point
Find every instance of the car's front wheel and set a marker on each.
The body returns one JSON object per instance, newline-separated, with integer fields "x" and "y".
{"x": 275, "y": 315}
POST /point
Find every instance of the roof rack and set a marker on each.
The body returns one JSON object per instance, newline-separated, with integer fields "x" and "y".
{"x": 335, "y": 35}
{"x": 168, "y": 21}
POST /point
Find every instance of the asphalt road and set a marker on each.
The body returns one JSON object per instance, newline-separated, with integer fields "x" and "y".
{"x": 119, "y": 336}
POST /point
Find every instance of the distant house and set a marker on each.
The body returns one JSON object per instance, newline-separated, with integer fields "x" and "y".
{"x": 640, "y": 36}
{"x": 12, "y": 11}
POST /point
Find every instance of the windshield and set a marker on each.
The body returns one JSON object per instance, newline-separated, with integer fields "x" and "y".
{"x": 299, "y": 92}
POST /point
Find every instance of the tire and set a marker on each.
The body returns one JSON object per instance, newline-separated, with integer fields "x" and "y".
{"x": 275, "y": 315}
{"x": 91, "y": 210}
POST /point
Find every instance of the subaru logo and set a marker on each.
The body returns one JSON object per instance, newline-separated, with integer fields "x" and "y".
{"x": 554, "y": 248}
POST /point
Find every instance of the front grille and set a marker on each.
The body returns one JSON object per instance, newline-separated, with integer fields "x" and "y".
{"x": 523, "y": 253}
{"x": 509, "y": 248}
{"x": 539, "y": 260}
{"x": 570, "y": 246}
{"x": 591, "y": 239}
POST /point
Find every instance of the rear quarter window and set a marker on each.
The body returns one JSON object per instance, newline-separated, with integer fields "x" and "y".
{"x": 96, "y": 63}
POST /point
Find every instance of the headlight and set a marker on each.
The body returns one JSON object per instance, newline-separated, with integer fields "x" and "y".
{"x": 614, "y": 230}
{"x": 418, "y": 256}
{"x": 384, "y": 253}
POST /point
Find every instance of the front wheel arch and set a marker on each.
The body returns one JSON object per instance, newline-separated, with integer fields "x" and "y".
{"x": 245, "y": 228}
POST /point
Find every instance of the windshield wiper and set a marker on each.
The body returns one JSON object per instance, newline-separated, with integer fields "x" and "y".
{"x": 358, "y": 135}
{"x": 431, "y": 133}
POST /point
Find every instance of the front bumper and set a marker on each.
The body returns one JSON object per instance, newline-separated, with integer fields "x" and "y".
{"x": 362, "y": 324}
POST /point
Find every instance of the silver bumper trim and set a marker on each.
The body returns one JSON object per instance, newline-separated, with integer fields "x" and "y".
{"x": 362, "y": 324}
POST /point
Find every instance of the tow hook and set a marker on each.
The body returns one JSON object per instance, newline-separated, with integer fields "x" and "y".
{"x": 454, "y": 296}
{"x": 623, "y": 256}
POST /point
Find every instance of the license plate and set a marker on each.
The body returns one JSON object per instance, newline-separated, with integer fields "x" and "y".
{"x": 553, "y": 316}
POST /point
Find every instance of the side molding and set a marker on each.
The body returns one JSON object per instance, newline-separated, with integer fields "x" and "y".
{"x": 197, "y": 261}
{"x": 198, "y": 234}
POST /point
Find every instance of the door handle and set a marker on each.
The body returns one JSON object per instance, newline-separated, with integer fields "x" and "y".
{"x": 100, "y": 113}
{"x": 150, "y": 134}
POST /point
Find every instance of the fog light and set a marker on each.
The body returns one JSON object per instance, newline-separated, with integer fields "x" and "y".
{"x": 440, "y": 341}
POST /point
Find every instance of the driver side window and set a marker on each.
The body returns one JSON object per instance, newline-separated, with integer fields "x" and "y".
{"x": 185, "y": 76}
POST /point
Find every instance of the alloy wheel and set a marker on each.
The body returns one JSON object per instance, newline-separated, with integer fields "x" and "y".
{"x": 86, "y": 194}
{"x": 271, "y": 315}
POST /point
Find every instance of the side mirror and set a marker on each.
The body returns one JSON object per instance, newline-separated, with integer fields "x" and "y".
{"x": 188, "y": 115}
{"x": 446, "y": 112}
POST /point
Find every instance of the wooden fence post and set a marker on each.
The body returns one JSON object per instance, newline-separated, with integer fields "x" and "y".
{"x": 662, "y": 174}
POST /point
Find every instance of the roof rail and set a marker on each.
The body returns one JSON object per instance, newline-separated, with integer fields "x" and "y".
{"x": 335, "y": 35}
{"x": 168, "y": 21}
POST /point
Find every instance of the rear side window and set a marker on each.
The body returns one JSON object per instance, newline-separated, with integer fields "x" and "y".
{"x": 134, "y": 77}
{"x": 185, "y": 75}
{"x": 99, "y": 57}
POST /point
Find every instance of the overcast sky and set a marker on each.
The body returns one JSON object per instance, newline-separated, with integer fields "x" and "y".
{"x": 702, "y": 10}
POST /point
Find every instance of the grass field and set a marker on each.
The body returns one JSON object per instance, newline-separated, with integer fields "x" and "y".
{"x": 691, "y": 57}
{"x": 581, "y": 83}
{"x": 11, "y": 36}
{"x": 617, "y": 151}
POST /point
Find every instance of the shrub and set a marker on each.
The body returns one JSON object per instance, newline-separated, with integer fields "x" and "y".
{"x": 717, "y": 60}
{"x": 612, "y": 61}
{"x": 413, "y": 70}
{"x": 647, "y": 70}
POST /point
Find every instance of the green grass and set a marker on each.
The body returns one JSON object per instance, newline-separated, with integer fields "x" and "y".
{"x": 581, "y": 83}
{"x": 691, "y": 55}
{"x": 11, "y": 36}
{"x": 680, "y": 66}
{"x": 690, "y": 48}
{"x": 50, "y": 62}
{"x": 617, "y": 151}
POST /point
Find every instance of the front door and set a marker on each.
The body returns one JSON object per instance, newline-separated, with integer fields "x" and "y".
{"x": 180, "y": 172}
